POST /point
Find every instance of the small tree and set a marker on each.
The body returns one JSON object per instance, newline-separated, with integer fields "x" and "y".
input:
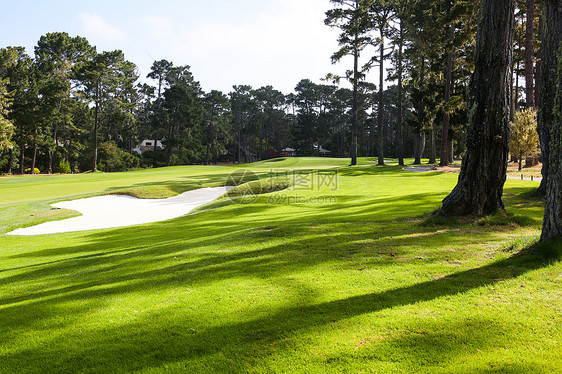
{"x": 6, "y": 127}
{"x": 524, "y": 135}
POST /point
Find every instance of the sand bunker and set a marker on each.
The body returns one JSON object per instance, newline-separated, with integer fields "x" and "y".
{"x": 104, "y": 212}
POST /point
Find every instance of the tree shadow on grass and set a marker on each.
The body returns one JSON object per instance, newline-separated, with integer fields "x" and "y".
{"x": 213, "y": 248}
{"x": 147, "y": 342}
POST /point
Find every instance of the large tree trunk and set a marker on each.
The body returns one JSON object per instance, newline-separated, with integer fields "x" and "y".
{"x": 550, "y": 115}
{"x": 381, "y": 100}
{"x": 480, "y": 186}
{"x": 529, "y": 55}
{"x": 419, "y": 147}
{"x": 547, "y": 85}
{"x": 446, "y": 119}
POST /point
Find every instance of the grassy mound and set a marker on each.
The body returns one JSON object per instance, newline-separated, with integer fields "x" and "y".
{"x": 259, "y": 187}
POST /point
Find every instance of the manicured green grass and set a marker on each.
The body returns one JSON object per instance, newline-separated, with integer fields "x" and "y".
{"x": 348, "y": 275}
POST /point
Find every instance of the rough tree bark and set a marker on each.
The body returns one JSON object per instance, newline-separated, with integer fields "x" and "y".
{"x": 480, "y": 186}
{"x": 547, "y": 83}
{"x": 550, "y": 114}
{"x": 419, "y": 147}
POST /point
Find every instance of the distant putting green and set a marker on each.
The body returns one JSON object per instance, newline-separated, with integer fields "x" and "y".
{"x": 342, "y": 271}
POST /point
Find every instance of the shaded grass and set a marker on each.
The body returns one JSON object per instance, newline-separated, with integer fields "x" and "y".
{"x": 359, "y": 284}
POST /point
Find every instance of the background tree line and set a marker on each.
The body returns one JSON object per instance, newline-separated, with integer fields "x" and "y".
{"x": 72, "y": 108}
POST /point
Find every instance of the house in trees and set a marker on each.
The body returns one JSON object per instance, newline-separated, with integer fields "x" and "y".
{"x": 321, "y": 151}
{"x": 148, "y": 145}
{"x": 288, "y": 152}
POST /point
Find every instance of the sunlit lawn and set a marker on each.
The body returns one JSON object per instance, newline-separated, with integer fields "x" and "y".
{"x": 346, "y": 275}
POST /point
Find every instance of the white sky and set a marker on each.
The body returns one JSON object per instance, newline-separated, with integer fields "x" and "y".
{"x": 267, "y": 42}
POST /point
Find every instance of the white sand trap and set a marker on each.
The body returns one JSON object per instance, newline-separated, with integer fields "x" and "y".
{"x": 104, "y": 212}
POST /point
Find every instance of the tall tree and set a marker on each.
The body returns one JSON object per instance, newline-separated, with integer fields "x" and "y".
{"x": 352, "y": 19}
{"x": 480, "y": 186}
{"x": 400, "y": 69}
{"x": 241, "y": 103}
{"x": 382, "y": 14}
{"x": 444, "y": 160}
{"x": 58, "y": 56}
{"x": 550, "y": 115}
{"x": 159, "y": 71}
{"x": 547, "y": 84}
{"x": 183, "y": 112}
{"x": 96, "y": 76}
{"x": 18, "y": 68}
{"x": 217, "y": 107}
{"x": 6, "y": 127}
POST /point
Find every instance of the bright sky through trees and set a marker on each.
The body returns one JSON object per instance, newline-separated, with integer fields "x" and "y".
{"x": 256, "y": 42}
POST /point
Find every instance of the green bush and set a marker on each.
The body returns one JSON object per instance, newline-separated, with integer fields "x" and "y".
{"x": 113, "y": 158}
{"x": 63, "y": 168}
{"x": 28, "y": 171}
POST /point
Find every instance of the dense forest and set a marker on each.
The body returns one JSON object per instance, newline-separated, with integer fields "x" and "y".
{"x": 71, "y": 108}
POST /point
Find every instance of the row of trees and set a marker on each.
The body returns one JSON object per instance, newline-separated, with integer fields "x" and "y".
{"x": 430, "y": 45}
{"x": 480, "y": 186}
{"x": 70, "y": 98}
{"x": 73, "y": 108}
{"x": 457, "y": 59}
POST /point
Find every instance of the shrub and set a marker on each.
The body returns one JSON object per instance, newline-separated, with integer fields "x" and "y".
{"x": 113, "y": 158}
{"x": 35, "y": 171}
{"x": 63, "y": 168}
{"x": 524, "y": 136}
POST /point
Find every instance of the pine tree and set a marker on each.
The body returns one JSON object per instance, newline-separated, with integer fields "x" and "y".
{"x": 480, "y": 186}
{"x": 353, "y": 20}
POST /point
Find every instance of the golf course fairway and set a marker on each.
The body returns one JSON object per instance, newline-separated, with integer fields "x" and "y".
{"x": 338, "y": 270}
